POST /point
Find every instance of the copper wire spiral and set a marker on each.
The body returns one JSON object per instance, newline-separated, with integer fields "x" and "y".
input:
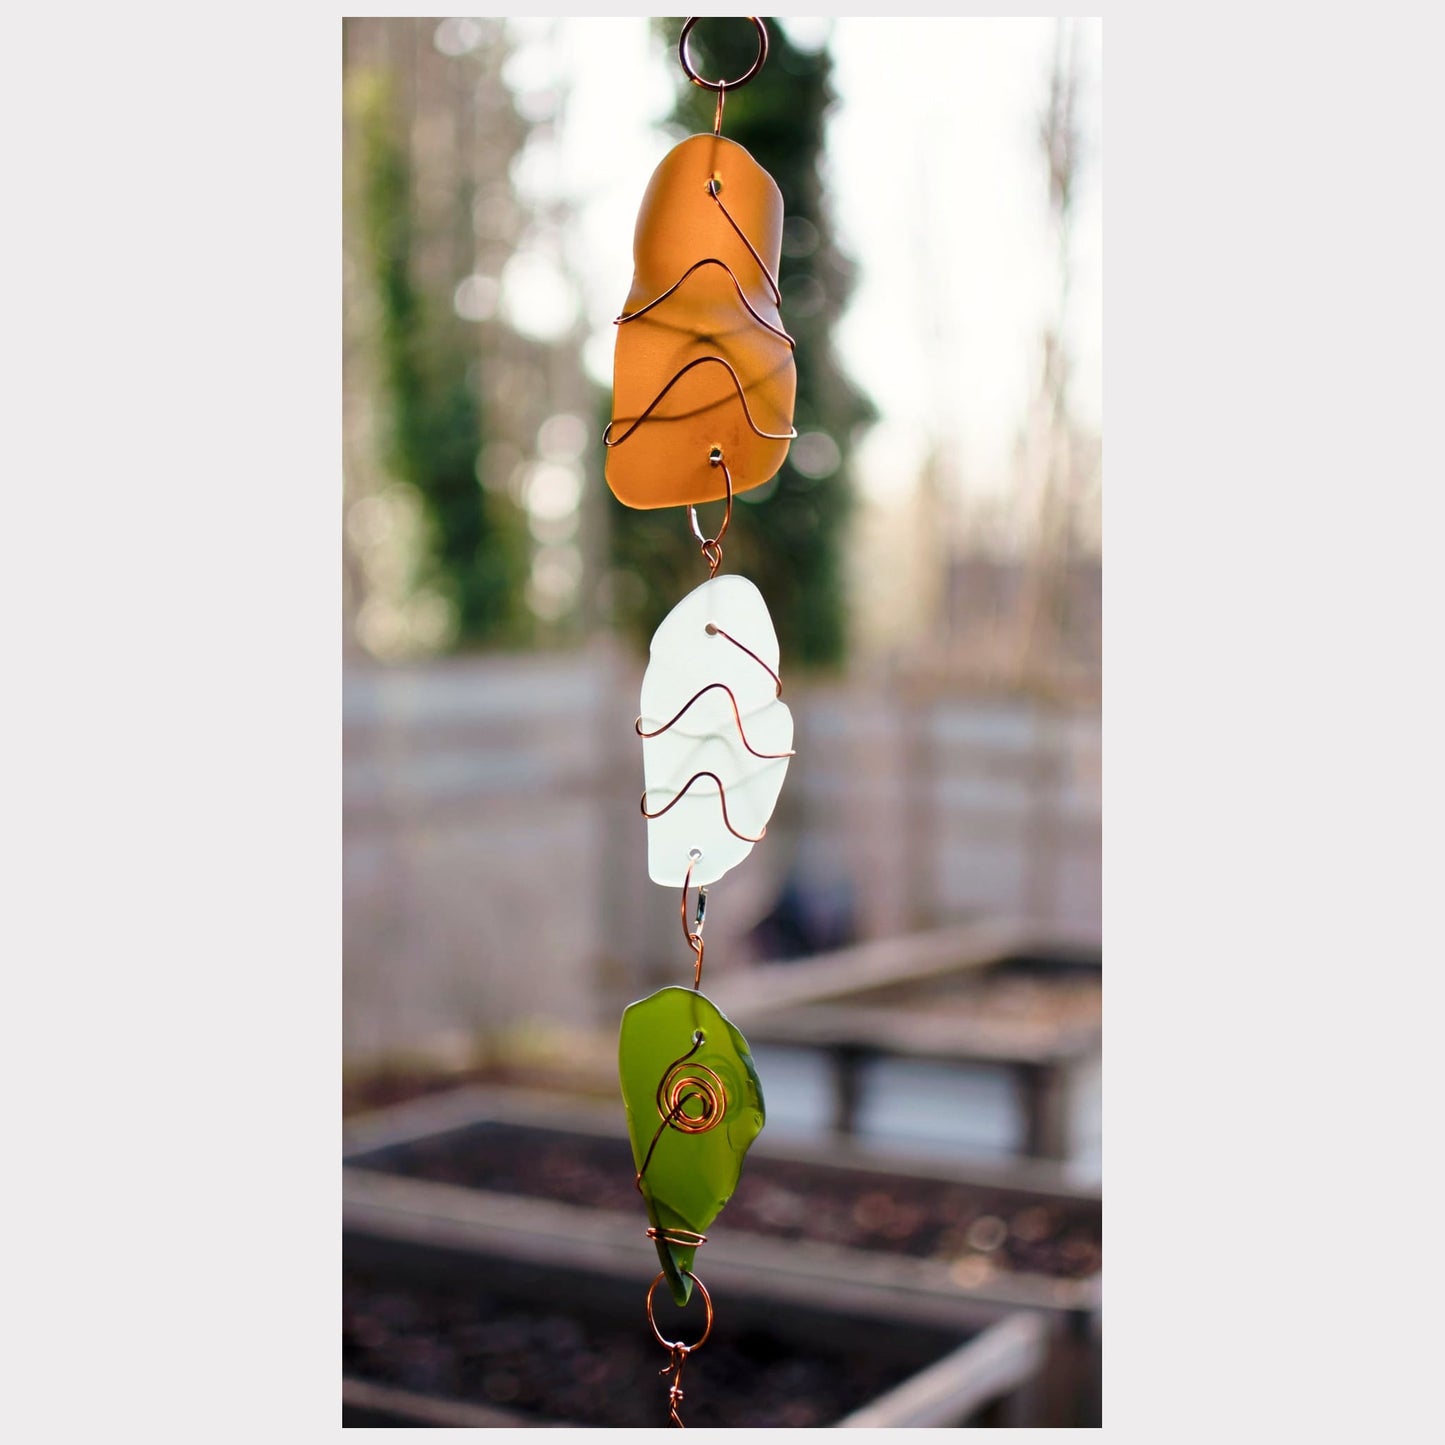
{"x": 673, "y": 1096}
{"x": 682, "y": 1084}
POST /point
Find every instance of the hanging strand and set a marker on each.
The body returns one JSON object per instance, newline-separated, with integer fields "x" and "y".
{"x": 690, "y": 1097}
{"x": 678, "y": 1352}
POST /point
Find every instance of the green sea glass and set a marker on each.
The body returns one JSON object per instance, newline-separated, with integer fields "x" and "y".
{"x": 716, "y": 1103}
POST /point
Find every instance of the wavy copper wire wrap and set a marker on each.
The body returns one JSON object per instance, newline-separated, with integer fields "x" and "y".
{"x": 722, "y": 794}
{"x": 713, "y": 630}
{"x": 714, "y": 189}
{"x": 610, "y": 441}
{"x": 732, "y": 698}
{"x": 737, "y": 286}
{"x": 678, "y": 316}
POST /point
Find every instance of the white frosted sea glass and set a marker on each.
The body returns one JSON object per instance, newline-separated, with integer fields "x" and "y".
{"x": 685, "y": 659}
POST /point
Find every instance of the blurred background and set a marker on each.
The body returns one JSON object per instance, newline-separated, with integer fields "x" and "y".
{"x": 915, "y": 947}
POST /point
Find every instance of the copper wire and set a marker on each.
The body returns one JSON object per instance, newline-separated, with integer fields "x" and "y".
{"x": 607, "y": 438}
{"x": 714, "y": 187}
{"x": 712, "y": 552}
{"x": 672, "y": 1101}
{"x": 713, "y": 630}
{"x": 683, "y": 1238}
{"x": 677, "y": 1351}
{"x": 722, "y": 799}
{"x": 737, "y": 285}
{"x": 707, "y": 1324}
{"x": 722, "y": 85}
{"x": 683, "y": 1084}
{"x": 732, "y": 698}
{"x": 693, "y": 934}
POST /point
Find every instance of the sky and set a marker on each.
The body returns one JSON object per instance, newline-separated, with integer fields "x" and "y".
{"x": 938, "y": 191}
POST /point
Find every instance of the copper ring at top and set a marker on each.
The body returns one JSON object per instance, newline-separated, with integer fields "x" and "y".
{"x": 707, "y": 1327}
{"x": 743, "y": 79}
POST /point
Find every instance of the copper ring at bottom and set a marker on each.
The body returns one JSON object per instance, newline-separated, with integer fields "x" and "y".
{"x": 707, "y": 1304}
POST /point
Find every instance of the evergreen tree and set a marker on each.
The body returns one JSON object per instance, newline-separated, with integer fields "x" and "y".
{"x": 474, "y": 547}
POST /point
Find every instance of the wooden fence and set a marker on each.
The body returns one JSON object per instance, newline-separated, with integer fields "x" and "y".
{"x": 494, "y": 863}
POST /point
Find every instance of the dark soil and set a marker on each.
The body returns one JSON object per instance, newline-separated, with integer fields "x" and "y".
{"x": 581, "y": 1368}
{"x": 974, "y": 1232}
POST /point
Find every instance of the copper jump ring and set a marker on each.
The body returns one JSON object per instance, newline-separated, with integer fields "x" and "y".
{"x": 707, "y": 1305}
{"x": 677, "y": 1352}
{"x": 722, "y": 85}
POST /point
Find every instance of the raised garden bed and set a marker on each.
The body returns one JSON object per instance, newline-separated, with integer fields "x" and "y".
{"x": 1035, "y": 1014}
{"x": 973, "y": 1231}
{"x": 1014, "y": 1235}
{"x": 526, "y": 1175}
{"x": 448, "y": 1337}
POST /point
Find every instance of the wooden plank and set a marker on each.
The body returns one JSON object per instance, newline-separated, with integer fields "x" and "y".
{"x": 915, "y": 1034}
{"x": 1002, "y": 1359}
{"x": 427, "y": 1410}
{"x": 1047, "y": 1098}
{"x": 912, "y": 957}
{"x": 612, "y": 1243}
{"x": 471, "y": 1105}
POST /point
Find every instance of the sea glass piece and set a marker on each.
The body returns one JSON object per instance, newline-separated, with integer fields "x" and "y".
{"x": 686, "y": 659}
{"x": 664, "y": 461}
{"x": 695, "y": 1161}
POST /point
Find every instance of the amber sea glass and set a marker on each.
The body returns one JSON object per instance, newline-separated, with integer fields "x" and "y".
{"x": 713, "y": 347}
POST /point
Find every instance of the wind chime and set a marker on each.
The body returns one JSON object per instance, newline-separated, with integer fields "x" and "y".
{"x": 703, "y": 393}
